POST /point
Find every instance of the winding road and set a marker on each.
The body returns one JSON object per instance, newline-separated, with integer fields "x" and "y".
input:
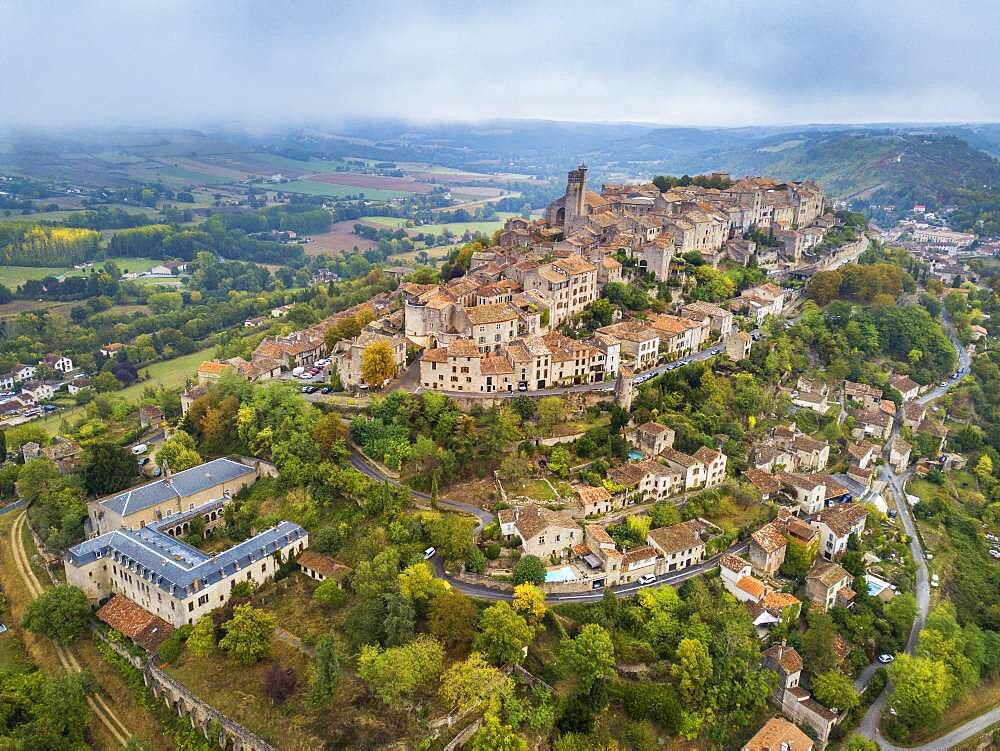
{"x": 869, "y": 726}
{"x": 97, "y": 703}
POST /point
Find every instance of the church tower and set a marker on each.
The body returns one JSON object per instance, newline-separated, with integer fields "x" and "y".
{"x": 576, "y": 189}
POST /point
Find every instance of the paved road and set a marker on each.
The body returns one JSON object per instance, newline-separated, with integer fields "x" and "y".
{"x": 11, "y": 507}
{"x": 870, "y": 722}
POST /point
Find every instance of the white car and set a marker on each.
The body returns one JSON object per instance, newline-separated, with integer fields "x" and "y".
{"x": 646, "y": 579}
{"x": 885, "y": 659}
{"x": 429, "y": 553}
{"x": 140, "y": 448}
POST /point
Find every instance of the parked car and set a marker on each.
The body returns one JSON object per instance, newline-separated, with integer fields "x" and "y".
{"x": 139, "y": 448}
{"x": 298, "y": 371}
{"x": 885, "y": 659}
{"x": 892, "y": 514}
{"x": 144, "y": 461}
{"x": 325, "y": 390}
{"x": 429, "y": 553}
{"x": 646, "y": 579}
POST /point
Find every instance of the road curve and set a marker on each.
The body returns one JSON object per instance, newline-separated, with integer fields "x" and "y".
{"x": 118, "y": 730}
{"x": 869, "y": 726}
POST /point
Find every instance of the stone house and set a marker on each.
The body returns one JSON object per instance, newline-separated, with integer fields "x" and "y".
{"x": 719, "y": 319}
{"x": 767, "y": 549}
{"x": 836, "y": 524}
{"x": 912, "y": 414}
{"x": 322, "y": 567}
{"x": 828, "y": 584}
{"x": 906, "y": 386}
{"x": 652, "y": 437}
{"x": 592, "y": 500}
{"x": 738, "y": 346}
{"x": 899, "y": 454}
{"x": 778, "y": 734}
{"x": 543, "y": 533}
{"x": 714, "y": 463}
{"x": 795, "y": 701}
{"x": 867, "y": 396}
{"x": 680, "y": 545}
{"x": 808, "y": 493}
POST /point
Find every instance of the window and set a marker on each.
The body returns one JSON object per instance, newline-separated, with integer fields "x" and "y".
{"x": 202, "y": 600}
{"x": 190, "y": 607}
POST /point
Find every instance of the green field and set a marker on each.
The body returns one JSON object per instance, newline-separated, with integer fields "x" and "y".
{"x": 170, "y": 374}
{"x": 14, "y": 276}
{"x": 456, "y": 228}
{"x": 312, "y": 165}
{"x": 311, "y": 188}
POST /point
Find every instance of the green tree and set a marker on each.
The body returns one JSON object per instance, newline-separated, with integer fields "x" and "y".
{"x": 860, "y": 743}
{"x": 452, "y": 619}
{"x": 590, "y": 655}
{"x": 900, "y": 612}
{"x": 691, "y": 669}
{"x": 248, "y": 634}
{"x": 329, "y": 595}
{"x": 922, "y": 688}
{"x": 201, "y": 642}
{"x": 37, "y": 479}
{"x": 396, "y": 674}
{"x": 60, "y": 613}
{"x": 109, "y": 468}
{"x": 551, "y": 410}
{"x": 529, "y": 602}
{"x": 468, "y": 684}
{"x": 798, "y": 559}
{"x": 817, "y": 643}
{"x": 529, "y": 569}
{"x": 984, "y": 468}
{"x": 178, "y": 452}
{"x": 324, "y": 673}
{"x": 418, "y": 583}
{"x": 503, "y": 634}
{"x": 494, "y": 735}
{"x": 835, "y": 690}
{"x": 378, "y": 364}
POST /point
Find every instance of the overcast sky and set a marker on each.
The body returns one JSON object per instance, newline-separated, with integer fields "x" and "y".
{"x": 197, "y": 62}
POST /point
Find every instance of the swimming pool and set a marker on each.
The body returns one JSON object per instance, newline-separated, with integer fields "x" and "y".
{"x": 634, "y": 455}
{"x": 564, "y": 574}
{"x": 875, "y": 585}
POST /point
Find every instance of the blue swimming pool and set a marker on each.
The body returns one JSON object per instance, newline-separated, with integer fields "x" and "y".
{"x": 634, "y": 455}
{"x": 564, "y": 574}
{"x": 875, "y": 585}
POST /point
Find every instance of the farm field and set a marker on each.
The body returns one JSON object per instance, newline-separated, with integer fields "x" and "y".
{"x": 340, "y": 238}
{"x": 378, "y": 182}
{"x": 316, "y": 188}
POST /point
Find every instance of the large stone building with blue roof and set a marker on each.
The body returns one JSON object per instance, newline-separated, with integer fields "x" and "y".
{"x": 171, "y": 494}
{"x": 136, "y": 551}
{"x": 170, "y": 578}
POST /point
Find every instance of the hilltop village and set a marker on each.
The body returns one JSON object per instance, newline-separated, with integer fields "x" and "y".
{"x": 656, "y": 434}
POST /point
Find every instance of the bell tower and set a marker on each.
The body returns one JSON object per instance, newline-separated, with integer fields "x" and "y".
{"x": 576, "y": 189}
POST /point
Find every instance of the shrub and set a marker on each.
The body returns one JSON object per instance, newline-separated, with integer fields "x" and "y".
{"x": 529, "y": 569}
{"x": 279, "y": 683}
{"x": 59, "y": 613}
{"x": 475, "y": 561}
{"x": 329, "y": 595}
{"x": 492, "y": 551}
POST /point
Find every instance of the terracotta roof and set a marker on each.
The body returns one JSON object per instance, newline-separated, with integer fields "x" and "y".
{"x": 591, "y": 493}
{"x": 495, "y": 365}
{"x": 840, "y": 519}
{"x": 828, "y": 573}
{"x": 769, "y": 538}
{"x": 438, "y": 354}
{"x": 733, "y": 562}
{"x": 638, "y": 554}
{"x": 903, "y": 383}
{"x": 464, "y": 348}
{"x": 778, "y": 601}
{"x": 674, "y": 539}
{"x": 860, "y": 450}
{"x": 764, "y": 481}
{"x": 787, "y": 657}
{"x": 805, "y": 443}
{"x": 600, "y": 534}
{"x": 135, "y": 622}
{"x": 706, "y": 455}
{"x": 653, "y": 427}
{"x": 679, "y": 457}
{"x": 493, "y": 313}
{"x": 323, "y": 564}
{"x": 752, "y": 586}
{"x": 531, "y": 520}
{"x": 778, "y": 734}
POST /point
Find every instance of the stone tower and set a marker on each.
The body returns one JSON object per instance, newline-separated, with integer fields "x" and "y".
{"x": 624, "y": 388}
{"x": 576, "y": 189}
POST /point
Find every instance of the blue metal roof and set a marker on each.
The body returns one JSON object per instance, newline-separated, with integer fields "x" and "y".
{"x": 179, "y": 485}
{"x": 172, "y": 565}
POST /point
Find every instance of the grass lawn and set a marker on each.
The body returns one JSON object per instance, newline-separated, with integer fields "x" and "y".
{"x": 237, "y": 691}
{"x": 537, "y": 489}
{"x": 291, "y": 600}
{"x": 169, "y": 374}
{"x": 14, "y": 276}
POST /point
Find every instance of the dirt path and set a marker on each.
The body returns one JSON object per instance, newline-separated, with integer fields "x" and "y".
{"x": 67, "y": 659}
